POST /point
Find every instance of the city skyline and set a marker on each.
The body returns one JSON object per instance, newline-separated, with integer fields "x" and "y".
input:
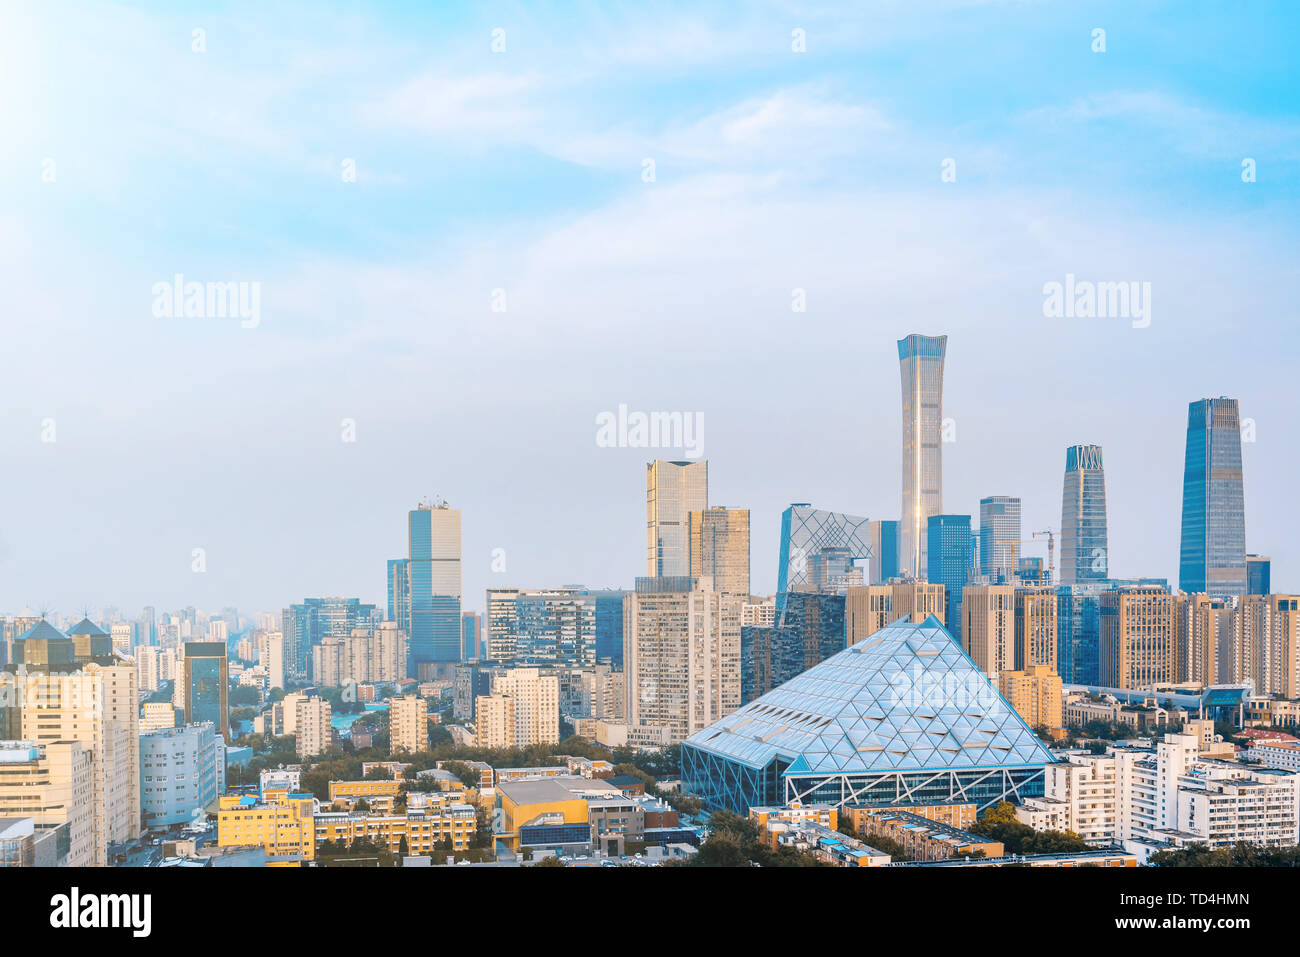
{"x": 377, "y": 295}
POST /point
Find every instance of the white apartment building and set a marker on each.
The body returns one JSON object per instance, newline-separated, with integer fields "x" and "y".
{"x": 1276, "y": 754}
{"x": 1169, "y": 794}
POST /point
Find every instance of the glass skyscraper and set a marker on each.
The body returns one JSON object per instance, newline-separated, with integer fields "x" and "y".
{"x": 720, "y": 548}
{"x": 1258, "y": 575}
{"x": 999, "y": 537}
{"x": 884, "y": 550}
{"x": 206, "y": 685}
{"x": 673, "y": 490}
{"x": 920, "y": 361}
{"x": 1084, "y": 555}
{"x": 949, "y": 557}
{"x": 1212, "y": 559}
{"x": 816, "y": 543}
{"x": 434, "y": 579}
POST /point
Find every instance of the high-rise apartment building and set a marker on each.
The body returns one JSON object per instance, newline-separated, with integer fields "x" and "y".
{"x": 434, "y": 573}
{"x": 681, "y": 654}
{"x": 720, "y": 548}
{"x": 53, "y": 783}
{"x": 408, "y": 723}
{"x": 1137, "y": 647}
{"x": 1204, "y": 638}
{"x": 522, "y": 710}
{"x": 1084, "y": 554}
{"x": 1037, "y": 627}
{"x": 312, "y": 729}
{"x": 868, "y": 608}
{"x": 673, "y": 491}
{"x": 1212, "y": 559}
{"x": 377, "y": 653}
{"x": 921, "y": 361}
{"x": 948, "y": 551}
{"x": 999, "y": 537}
{"x": 1267, "y": 645}
{"x": 1035, "y": 694}
{"x": 304, "y": 626}
{"x": 989, "y": 627}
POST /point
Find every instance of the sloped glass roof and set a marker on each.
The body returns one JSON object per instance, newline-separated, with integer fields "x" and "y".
{"x": 907, "y": 698}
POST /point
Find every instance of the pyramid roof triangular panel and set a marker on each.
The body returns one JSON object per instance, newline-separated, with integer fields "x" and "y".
{"x": 906, "y": 698}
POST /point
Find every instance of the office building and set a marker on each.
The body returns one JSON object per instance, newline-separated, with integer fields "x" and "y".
{"x": 473, "y": 679}
{"x": 471, "y": 635}
{"x": 921, "y": 360}
{"x": 1078, "y": 610}
{"x": 720, "y": 548}
{"x": 999, "y": 537}
{"x": 948, "y": 551}
{"x": 681, "y": 654}
{"x": 809, "y": 629}
{"x": 1212, "y": 558}
{"x": 883, "y": 535}
{"x": 281, "y": 823}
{"x": 434, "y": 573}
{"x": 1084, "y": 554}
{"x": 673, "y": 491}
{"x": 408, "y": 724}
{"x": 305, "y": 625}
{"x": 207, "y": 684}
{"x": 819, "y": 548}
{"x": 1258, "y": 575}
{"x": 399, "y": 593}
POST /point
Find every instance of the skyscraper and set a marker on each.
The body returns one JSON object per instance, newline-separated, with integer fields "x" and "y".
{"x": 433, "y": 576}
{"x": 399, "y": 593}
{"x": 921, "y": 365}
{"x": 673, "y": 490}
{"x": 207, "y": 685}
{"x": 948, "y": 555}
{"x": 1212, "y": 559}
{"x": 1258, "y": 575}
{"x": 720, "y": 548}
{"x": 884, "y": 550}
{"x": 815, "y": 544}
{"x": 1084, "y": 555}
{"x": 999, "y": 537}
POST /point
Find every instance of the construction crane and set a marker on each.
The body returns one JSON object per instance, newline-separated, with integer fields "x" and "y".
{"x": 1051, "y": 552}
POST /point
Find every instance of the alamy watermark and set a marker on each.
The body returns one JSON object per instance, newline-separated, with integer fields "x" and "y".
{"x": 651, "y": 430}
{"x": 1085, "y": 299}
{"x": 178, "y": 299}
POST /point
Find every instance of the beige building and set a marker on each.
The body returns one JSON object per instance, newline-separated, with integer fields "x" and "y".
{"x": 96, "y": 706}
{"x": 1036, "y": 627}
{"x": 1203, "y": 639}
{"x": 312, "y": 726}
{"x": 1137, "y": 643}
{"x": 53, "y": 785}
{"x": 720, "y": 548}
{"x": 673, "y": 491}
{"x": 1035, "y": 694}
{"x": 158, "y": 715}
{"x": 522, "y": 710}
{"x": 1266, "y": 650}
{"x": 408, "y": 724}
{"x": 868, "y": 608}
{"x": 681, "y": 654}
{"x": 989, "y": 627}
{"x": 364, "y": 656}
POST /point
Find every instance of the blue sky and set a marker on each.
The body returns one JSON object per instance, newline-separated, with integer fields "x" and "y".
{"x": 521, "y": 170}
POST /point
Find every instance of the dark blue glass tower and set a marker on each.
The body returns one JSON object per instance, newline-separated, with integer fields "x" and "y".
{"x": 948, "y": 558}
{"x": 1212, "y": 559}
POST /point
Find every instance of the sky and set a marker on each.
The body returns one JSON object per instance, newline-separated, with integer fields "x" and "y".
{"x": 462, "y": 259}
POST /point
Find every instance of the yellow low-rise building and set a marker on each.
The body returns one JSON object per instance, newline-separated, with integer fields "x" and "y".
{"x": 540, "y": 814}
{"x": 281, "y": 823}
{"x": 423, "y": 830}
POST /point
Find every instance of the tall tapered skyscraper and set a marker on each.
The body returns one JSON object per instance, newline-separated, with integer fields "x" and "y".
{"x": 434, "y": 582}
{"x": 673, "y": 490}
{"x": 1084, "y": 552}
{"x": 1213, "y": 554}
{"x": 920, "y": 361}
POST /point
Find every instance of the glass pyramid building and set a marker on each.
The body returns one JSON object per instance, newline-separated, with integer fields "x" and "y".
{"x": 902, "y": 717}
